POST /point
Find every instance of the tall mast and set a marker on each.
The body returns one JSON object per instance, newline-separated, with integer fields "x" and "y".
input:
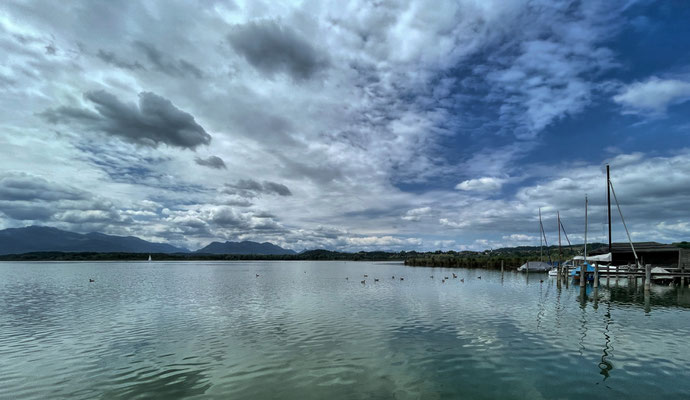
{"x": 583, "y": 268}
{"x": 586, "y": 204}
{"x": 541, "y": 238}
{"x": 560, "y": 253}
{"x": 608, "y": 200}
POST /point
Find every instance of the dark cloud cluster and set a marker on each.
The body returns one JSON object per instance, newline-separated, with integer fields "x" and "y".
{"x": 271, "y": 47}
{"x": 154, "y": 121}
{"x": 211, "y": 162}
{"x": 28, "y": 197}
{"x": 25, "y": 187}
{"x": 112, "y": 58}
{"x": 252, "y": 188}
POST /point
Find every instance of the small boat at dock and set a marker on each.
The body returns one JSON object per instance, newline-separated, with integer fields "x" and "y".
{"x": 589, "y": 273}
{"x": 535, "y": 266}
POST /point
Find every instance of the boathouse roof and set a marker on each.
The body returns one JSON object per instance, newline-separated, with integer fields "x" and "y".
{"x": 645, "y": 247}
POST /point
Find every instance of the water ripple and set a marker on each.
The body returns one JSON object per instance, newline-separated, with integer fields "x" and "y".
{"x": 301, "y": 330}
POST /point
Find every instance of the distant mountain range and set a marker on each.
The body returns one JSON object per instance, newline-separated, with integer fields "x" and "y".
{"x": 42, "y": 239}
{"x": 245, "y": 247}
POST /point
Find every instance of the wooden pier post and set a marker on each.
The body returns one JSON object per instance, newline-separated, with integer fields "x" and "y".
{"x": 643, "y": 278}
{"x": 596, "y": 275}
{"x": 681, "y": 268}
{"x": 608, "y": 274}
{"x": 564, "y": 271}
{"x": 647, "y": 277}
{"x": 583, "y": 274}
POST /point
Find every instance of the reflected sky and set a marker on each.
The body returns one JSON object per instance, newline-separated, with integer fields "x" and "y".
{"x": 302, "y": 330}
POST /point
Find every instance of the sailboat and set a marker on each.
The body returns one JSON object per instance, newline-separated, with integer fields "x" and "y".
{"x": 588, "y": 269}
{"x": 538, "y": 266}
{"x": 608, "y": 257}
{"x": 569, "y": 265}
{"x": 149, "y": 257}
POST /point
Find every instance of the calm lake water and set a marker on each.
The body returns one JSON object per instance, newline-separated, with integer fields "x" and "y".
{"x": 302, "y": 331}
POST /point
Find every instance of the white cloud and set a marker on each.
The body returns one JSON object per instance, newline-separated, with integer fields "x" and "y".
{"x": 357, "y": 113}
{"x": 454, "y": 224}
{"x": 485, "y": 184}
{"x": 521, "y": 238}
{"x": 653, "y": 96}
{"x": 653, "y": 191}
{"x": 382, "y": 241}
{"x": 416, "y": 213}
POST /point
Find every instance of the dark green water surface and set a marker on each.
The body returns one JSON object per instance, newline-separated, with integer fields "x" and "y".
{"x": 302, "y": 331}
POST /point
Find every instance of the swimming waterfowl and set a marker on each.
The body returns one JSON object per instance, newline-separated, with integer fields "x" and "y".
{"x": 443, "y": 281}
{"x": 479, "y": 277}
{"x": 402, "y": 279}
{"x": 363, "y": 282}
{"x": 376, "y": 279}
{"x": 432, "y": 277}
{"x": 257, "y": 275}
{"x": 445, "y": 277}
{"x": 462, "y": 280}
{"x": 91, "y": 280}
{"x": 455, "y": 276}
{"x": 393, "y": 277}
{"x": 366, "y": 276}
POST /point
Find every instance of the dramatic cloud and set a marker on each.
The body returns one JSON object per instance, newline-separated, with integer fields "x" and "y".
{"x": 211, "y": 162}
{"x": 378, "y": 125}
{"x": 31, "y": 198}
{"x": 252, "y": 188}
{"x": 156, "y": 120}
{"x": 26, "y": 187}
{"x": 653, "y": 95}
{"x": 271, "y": 47}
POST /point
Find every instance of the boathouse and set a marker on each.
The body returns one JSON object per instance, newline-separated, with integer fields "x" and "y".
{"x": 657, "y": 254}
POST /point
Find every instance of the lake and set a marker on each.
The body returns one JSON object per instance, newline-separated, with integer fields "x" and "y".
{"x": 300, "y": 330}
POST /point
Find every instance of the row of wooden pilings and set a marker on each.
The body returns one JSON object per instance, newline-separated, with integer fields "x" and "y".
{"x": 632, "y": 272}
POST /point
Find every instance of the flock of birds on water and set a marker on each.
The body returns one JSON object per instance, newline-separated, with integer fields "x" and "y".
{"x": 445, "y": 278}
{"x": 364, "y": 281}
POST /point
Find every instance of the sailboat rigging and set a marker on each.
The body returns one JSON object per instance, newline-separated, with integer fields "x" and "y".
{"x": 538, "y": 266}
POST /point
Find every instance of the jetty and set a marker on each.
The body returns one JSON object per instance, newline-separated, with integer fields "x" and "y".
{"x": 648, "y": 261}
{"x": 664, "y": 261}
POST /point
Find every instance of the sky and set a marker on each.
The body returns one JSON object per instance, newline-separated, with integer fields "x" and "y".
{"x": 346, "y": 125}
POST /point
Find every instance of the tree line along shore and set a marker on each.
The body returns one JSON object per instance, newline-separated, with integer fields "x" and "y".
{"x": 490, "y": 259}
{"x": 511, "y": 257}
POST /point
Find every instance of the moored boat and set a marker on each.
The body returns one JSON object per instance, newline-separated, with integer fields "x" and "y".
{"x": 535, "y": 266}
{"x": 589, "y": 272}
